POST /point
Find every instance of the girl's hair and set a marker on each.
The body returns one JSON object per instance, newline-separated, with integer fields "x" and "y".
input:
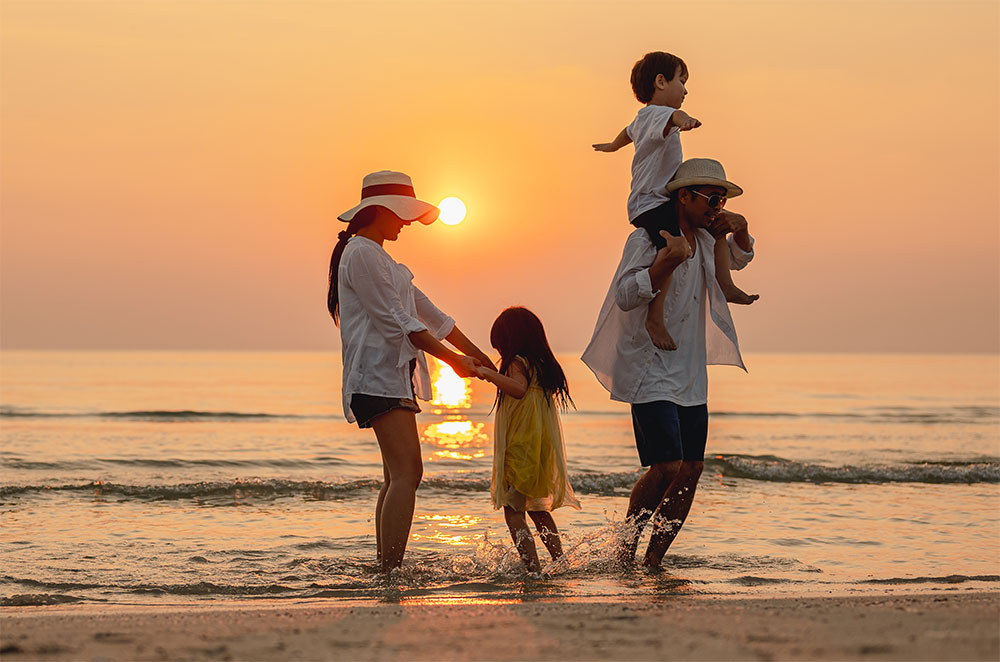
{"x": 519, "y": 332}
{"x": 665, "y": 220}
{"x": 645, "y": 71}
{"x": 361, "y": 219}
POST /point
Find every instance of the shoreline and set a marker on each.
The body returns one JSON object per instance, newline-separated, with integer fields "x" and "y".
{"x": 947, "y": 624}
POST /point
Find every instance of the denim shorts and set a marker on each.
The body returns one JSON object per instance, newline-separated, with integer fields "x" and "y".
{"x": 366, "y": 408}
{"x": 667, "y": 432}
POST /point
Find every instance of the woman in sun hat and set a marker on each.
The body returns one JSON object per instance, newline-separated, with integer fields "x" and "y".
{"x": 386, "y": 324}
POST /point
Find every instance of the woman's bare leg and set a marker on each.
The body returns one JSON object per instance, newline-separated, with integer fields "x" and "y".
{"x": 547, "y": 530}
{"x": 521, "y": 535}
{"x": 396, "y": 431}
{"x": 378, "y": 512}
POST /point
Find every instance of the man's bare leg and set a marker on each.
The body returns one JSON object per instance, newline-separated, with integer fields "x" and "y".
{"x": 656, "y": 324}
{"x": 725, "y": 276}
{"x": 672, "y": 512}
{"x": 647, "y": 494}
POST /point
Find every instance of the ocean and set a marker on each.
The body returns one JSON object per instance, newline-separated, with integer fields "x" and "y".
{"x": 180, "y": 477}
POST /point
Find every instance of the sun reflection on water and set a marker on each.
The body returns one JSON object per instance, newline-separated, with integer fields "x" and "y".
{"x": 456, "y": 600}
{"x": 443, "y": 529}
{"x": 457, "y": 440}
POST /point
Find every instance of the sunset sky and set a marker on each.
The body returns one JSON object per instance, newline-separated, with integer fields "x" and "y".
{"x": 172, "y": 170}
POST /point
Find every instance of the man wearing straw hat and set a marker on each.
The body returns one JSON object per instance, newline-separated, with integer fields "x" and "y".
{"x": 668, "y": 390}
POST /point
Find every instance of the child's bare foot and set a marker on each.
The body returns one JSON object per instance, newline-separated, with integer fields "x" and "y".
{"x": 736, "y": 295}
{"x": 659, "y": 335}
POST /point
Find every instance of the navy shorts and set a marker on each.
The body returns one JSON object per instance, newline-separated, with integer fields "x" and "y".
{"x": 667, "y": 432}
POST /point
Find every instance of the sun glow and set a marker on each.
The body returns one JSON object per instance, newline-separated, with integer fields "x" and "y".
{"x": 452, "y": 211}
{"x": 450, "y": 390}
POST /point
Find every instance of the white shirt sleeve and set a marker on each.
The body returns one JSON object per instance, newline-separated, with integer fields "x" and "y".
{"x": 369, "y": 277}
{"x": 633, "y": 287}
{"x": 659, "y": 120}
{"x": 438, "y": 323}
{"x": 738, "y": 258}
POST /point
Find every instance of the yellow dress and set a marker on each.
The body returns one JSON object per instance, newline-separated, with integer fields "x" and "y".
{"x": 529, "y": 458}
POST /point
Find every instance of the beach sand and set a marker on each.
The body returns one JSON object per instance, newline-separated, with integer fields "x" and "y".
{"x": 945, "y": 625}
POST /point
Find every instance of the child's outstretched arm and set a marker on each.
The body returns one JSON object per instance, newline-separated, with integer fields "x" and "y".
{"x": 682, "y": 121}
{"x": 620, "y": 141}
{"x": 515, "y": 384}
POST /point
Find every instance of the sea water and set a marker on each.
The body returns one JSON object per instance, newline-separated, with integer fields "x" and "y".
{"x": 169, "y": 477}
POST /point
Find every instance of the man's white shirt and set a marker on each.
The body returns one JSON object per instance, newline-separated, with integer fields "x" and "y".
{"x": 621, "y": 353}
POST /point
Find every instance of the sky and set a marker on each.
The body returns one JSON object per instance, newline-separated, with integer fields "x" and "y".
{"x": 172, "y": 170}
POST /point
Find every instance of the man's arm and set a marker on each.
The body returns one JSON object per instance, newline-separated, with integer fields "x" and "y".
{"x": 639, "y": 279}
{"x": 668, "y": 258}
{"x": 620, "y": 141}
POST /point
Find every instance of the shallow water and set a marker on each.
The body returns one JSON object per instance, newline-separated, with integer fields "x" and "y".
{"x": 171, "y": 477}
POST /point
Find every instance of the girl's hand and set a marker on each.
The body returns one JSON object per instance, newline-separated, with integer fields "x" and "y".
{"x": 485, "y": 372}
{"x": 605, "y": 147}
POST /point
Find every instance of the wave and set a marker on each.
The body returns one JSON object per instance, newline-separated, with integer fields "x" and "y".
{"x": 39, "y": 599}
{"x": 237, "y": 489}
{"x": 445, "y": 576}
{"x": 151, "y": 414}
{"x": 947, "y": 579}
{"x": 767, "y": 468}
{"x": 99, "y": 464}
{"x": 776, "y": 469}
{"x": 972, "y": 414}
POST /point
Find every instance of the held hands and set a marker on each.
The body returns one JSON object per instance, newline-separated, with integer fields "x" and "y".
{"x": 465, "y": 366}
{"x": 468, "y": 367}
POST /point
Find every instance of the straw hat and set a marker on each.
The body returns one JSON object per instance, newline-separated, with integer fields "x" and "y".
{"x": 394, "y": 191}
{"x": 702, "y": 172}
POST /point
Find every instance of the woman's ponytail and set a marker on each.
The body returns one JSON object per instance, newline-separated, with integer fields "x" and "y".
{"x": 360, "y": 220}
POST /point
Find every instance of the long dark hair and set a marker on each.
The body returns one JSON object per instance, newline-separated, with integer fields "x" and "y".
{"x": 665, "y": 218}
{"x": 519, "y": 332}
{"x": 361, "y": 219}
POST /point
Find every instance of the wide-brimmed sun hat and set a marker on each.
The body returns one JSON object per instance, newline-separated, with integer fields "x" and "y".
{"x": 394, "y": 191}
{"x": 703, "y": 172}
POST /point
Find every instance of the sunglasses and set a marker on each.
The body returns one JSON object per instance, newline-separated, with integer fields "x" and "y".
{"x": 714, "y": 200}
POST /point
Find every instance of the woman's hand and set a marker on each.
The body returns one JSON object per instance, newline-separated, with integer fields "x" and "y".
{"x": 464, "y": 366}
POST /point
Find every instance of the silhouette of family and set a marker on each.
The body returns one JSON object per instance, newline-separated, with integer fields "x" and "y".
{"x": 664, "y": 319}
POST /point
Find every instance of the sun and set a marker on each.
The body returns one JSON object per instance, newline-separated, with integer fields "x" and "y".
{"x": 452, "y": 211}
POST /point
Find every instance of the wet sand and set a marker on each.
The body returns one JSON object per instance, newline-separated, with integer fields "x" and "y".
{"x": 945, "y": 625}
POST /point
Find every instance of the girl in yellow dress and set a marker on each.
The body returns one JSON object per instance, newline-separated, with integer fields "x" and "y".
{"x": 529, "y": 459}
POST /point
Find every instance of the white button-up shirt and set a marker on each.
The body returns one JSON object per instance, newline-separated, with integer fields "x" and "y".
{"x": 379, "y": 308}
{"x": 621, "y": 353}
